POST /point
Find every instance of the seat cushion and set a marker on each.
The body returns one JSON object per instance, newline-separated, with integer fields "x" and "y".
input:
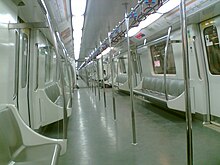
{"x": 39, "y": 154}
{"x": 10, "y": 135}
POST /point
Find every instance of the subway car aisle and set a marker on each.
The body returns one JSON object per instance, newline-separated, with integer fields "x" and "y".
{"x": 94, "y": 138}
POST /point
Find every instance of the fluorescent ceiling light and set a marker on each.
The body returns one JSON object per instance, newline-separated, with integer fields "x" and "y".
{"x": 99, "y": 56}
{"x": 77, "y": 51}
{"x": 77, "y": 22}
{"x": 77, "y": 34}
{"x": 78, "y": 7}
{"x": 6, "y": 18}
{"x": 133, "y": 31}
{"x": 106, "y": 51}
{"x": 77, "y": 47}
{"x": 149, "y": 20}
{"x": 171, "y": 4}
{"x": 76, "y": 54}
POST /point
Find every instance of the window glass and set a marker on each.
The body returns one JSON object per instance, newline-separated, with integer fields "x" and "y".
{"x": 157, "y": 54}
{"x": 37, "y": 67}
{"x": 134, "y": 60}
{"x": 126, "y": 64}
{"x": 213, "y": 49}
{"x": 57, "y": 70}
{"x": 122, "y": 66}
{"x": 24, "y": 51}
{"x": 139, "y": 64}
{"x": 46, "y": 53}
{"x": 48, "y": 64}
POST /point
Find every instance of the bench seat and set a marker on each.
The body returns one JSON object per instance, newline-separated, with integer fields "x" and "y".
{"x": 121, "y": 79}
{"x": 151, "y": 93}
{"x": 14, "y": 151}
{"x": 46, "y": 154}
{"x": 152, "y": 89}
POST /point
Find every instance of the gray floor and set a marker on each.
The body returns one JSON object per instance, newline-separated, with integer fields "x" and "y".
{"x": 94, "y": 138}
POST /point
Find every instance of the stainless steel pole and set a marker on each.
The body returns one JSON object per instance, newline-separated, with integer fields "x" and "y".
{"x": 55, "y": 43}
{"x": 91, "y": 78}
{"x": 103, "y": 82}
{"x": 112, "y": 75}
{"x": 187, "y": 84}
{"x": 98, "y": 77}
{"x": 87, "y": 78}
{"x": 67, "y": 63}
{"x": 130, "y": 83}
{"x": 94, "y": 77}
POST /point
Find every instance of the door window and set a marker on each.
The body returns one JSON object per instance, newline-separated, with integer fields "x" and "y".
{"x": 212, "y": 49}
{"x": 122, "y": 66}
{"x": 48, "y": 64}
{"x": 24, "y": 51}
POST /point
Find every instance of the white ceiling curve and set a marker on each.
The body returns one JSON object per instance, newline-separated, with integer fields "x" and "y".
{"x": 101, "y": 17}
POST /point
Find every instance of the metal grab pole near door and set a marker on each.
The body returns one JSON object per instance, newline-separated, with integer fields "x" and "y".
{"x": 98, "y": 77}
{"x": 103, "y": 81}
{"x": 130, "y": 82}
{"x": 94, "y": 76}
{"x": 112, "y": 75}
{"x": 187, "y": 83}
{"x": 55, "y": 43}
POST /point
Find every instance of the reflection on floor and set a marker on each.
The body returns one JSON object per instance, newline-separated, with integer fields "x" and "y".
{"x": 94, "y": 138}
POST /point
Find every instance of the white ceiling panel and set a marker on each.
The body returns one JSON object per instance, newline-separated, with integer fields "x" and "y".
{"x": 101, "y": 17}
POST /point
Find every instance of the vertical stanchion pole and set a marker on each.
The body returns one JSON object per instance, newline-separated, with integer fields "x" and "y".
{"x": 87, "y": 78}
{"x": 94, "y": 76}
{"x": 187, "y": 83}
{"x": 117, "y": 71}
{"x": 91, "y": 77}
{"x": 112, "y": 75}
{"x": 130, "y": 82}
{"x": 103, "y": 81}
{"x": 55, "y": 43}
{"x": 98, "y": 77}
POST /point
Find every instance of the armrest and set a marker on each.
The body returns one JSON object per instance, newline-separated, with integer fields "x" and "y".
{"x": 139, "y": 86}
{"x": 31, "y": 137}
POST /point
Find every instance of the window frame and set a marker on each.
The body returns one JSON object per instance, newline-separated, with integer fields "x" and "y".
{"x": 213, "y": 71}
{"x": 170, "y": 57}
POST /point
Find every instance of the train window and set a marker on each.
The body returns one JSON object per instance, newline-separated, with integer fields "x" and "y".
{"x": 212, "y": 49}
{"x": 122, "y": 66}
{"x": 24, "y": 51}
{"x": 139, "y": 64}
{"x": 37, "y": 67}
{"x": 157, "y": 54}
{"x": 57, "y": 70}
{"x": 134, "y": 60}
{"x": 48, "y": 64}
